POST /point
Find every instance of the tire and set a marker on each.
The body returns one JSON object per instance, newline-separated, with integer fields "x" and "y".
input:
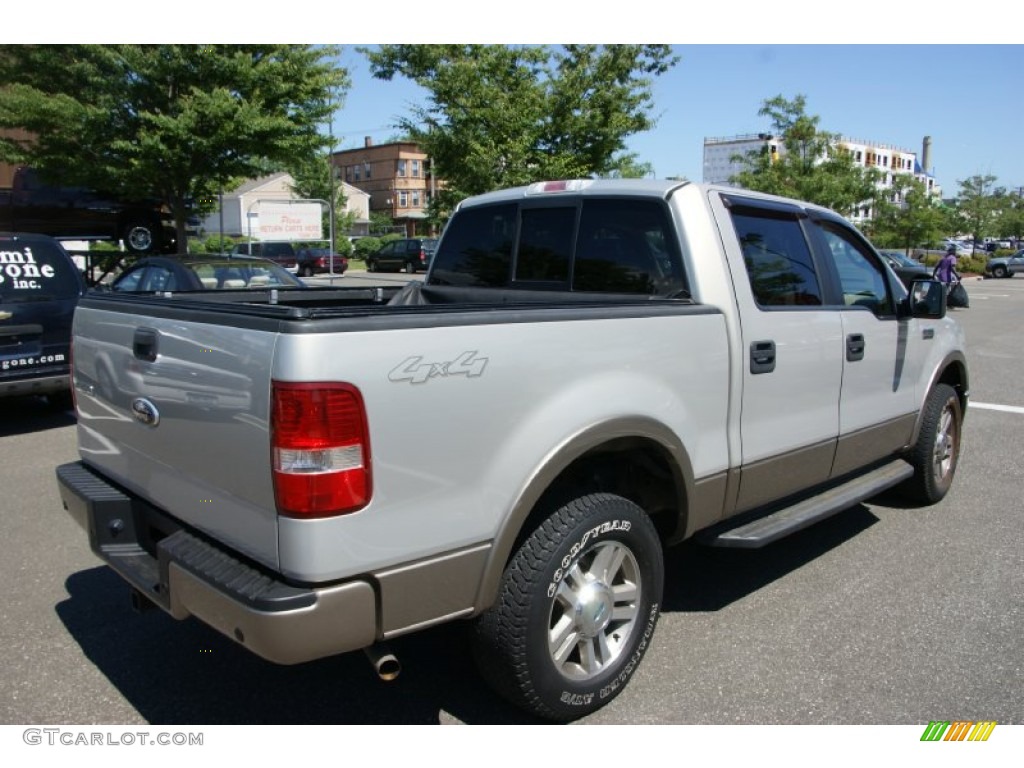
{"x": 410, "y": 268}
{"x": 306, "y": 271}
{"x": 576, "y": 610}
{"x": 140, "y": 237}
{"x": 371, "y": 265}
{"x": 999, "y": 271}
{"x": 937, "y": 451}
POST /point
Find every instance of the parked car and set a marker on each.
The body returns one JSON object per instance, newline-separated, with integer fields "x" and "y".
{"x": 1006, "y": 266}
{"x": 408, "y": 255}
{"x": 315, "y": 261}
{"x": 282, "y": 254}
{"x": 197, "y": 273}
{"x": 907, "y": 269}
{"x": 39, "y": 290}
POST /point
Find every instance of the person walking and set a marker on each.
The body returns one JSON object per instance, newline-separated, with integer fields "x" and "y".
{"x": 945, "y": 272}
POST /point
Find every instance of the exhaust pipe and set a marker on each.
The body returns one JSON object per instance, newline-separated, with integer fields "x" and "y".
{"x": 383, "y": 661}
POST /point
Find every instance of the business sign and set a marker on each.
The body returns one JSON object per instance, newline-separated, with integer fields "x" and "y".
{"x": 288, "y": 221}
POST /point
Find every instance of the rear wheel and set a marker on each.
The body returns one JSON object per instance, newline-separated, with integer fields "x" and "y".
{"x": 410, "y": 268}
{"x": 937, "y": 451}
{"x": 578, "y": 605}
{"x": 140, "y": 237}
{"x": 371, "y": 265}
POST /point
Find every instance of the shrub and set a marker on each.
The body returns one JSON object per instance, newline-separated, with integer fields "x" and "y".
{"x": 365, "y": 246}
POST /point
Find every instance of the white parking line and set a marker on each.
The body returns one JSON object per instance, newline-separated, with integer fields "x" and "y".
{"x": 994, "y": 407}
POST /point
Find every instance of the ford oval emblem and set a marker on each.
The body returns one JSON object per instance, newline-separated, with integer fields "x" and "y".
{"x": 144, "y": 412}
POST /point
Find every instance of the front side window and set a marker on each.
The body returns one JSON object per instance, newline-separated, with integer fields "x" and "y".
{"x": 777, "y": 258}
{"x": 862, "y": 280}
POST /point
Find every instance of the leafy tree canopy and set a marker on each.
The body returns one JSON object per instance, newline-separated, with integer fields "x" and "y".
{"x": 171, "y": 121}
{"x": 814, "y": 166}
{"x": 500, "y": 116}
{"x": 909, "y": 218}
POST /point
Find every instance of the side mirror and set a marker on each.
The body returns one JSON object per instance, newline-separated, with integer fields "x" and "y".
{"x": 927, "y": 300}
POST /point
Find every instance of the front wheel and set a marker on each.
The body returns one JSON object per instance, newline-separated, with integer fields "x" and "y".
{"x": 371, "y": 265}
{"x": 999, "y": 271}
{"x": 576, "y": 611}
{"x": 937, "y": 451}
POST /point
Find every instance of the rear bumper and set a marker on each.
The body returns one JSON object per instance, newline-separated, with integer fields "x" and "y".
{"x": 187, "y": 575}
{"x": 37, "y": 385}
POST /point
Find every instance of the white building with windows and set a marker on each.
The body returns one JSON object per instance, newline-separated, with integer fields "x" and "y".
{"x": 723, "y": 160}
{"x": 240, "y": 204}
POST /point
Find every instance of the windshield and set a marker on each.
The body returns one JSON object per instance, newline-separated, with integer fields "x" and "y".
{"x": 35, "y": 271}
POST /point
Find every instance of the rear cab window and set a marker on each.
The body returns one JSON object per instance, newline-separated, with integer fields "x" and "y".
{"x": 592, "y": 245}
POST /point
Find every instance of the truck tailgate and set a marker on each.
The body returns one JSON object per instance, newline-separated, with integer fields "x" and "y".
{"x": 178, "y": 412}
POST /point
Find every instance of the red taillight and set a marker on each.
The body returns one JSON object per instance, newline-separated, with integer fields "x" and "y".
{"x": 320, "y": 449}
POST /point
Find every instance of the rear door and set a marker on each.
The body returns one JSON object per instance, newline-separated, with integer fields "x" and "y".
{"x": 792, "y": 349}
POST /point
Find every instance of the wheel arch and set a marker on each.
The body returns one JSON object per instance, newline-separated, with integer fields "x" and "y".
{"x": 637, "y": 458}
{"x": 952, "y": 371}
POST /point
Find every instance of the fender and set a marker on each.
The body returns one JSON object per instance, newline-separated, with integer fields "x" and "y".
{"x": 951, "y": 370}
{"x": 561, "y": 458}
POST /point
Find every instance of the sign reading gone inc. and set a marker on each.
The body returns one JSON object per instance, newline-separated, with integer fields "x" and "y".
{"x": 298, "y": 221}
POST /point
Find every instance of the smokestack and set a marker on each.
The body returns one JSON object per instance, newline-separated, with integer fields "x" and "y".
{"x": 367, "y": 141}
{"x": 926, "y": 155}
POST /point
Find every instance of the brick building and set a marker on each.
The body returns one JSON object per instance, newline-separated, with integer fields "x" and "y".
{"x": 397, "y": 177}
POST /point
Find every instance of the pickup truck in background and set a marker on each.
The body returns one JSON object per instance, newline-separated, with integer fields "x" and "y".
{"x": 33, "y": 204}
{"x": 591, "y": 371}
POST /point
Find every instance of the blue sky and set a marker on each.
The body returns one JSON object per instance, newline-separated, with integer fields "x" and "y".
{"x": 881, "y": 71}
{"x": 968, "y": 98}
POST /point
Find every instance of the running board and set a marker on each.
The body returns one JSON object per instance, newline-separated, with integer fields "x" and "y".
{"x": 753, "y": 534}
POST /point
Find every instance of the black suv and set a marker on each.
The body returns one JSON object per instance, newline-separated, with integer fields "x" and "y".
{"x": 409, "y": 255}
{"x": 39, "y": 290}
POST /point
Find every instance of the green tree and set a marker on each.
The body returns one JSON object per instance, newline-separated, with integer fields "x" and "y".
{"x": 501, "y": 116}
{"x": 976, "y": 206}
{"x": 172, "y": 121}
{"x": 813, "y": 165}
{"x": 910, "y": 217}
{"x": 1009, "y": 216}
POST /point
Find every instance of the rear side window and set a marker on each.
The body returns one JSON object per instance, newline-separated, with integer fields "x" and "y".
{"x": 778, "y": 259}
{"x": 31, "y": 271}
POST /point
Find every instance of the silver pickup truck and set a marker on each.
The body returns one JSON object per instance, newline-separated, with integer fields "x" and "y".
{"x": 590, "y": 372}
